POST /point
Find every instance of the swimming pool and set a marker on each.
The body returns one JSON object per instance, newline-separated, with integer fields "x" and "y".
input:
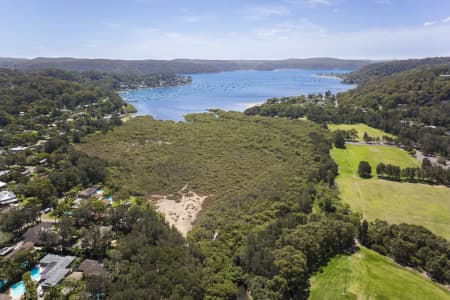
{"x": 17, "y": 290}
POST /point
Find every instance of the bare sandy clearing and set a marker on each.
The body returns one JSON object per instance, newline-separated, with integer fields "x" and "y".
{"x": 181, "y": 209}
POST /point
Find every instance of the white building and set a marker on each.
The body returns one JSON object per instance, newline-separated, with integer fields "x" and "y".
{"x": 7, "y": 197}
{"x": 18, "y": 149}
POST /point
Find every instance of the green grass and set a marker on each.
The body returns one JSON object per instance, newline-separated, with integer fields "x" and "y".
{"x": 369, "y": 275}
{"x": 349, "y": 158}
{"x": 394, "y": 202}
{"x": 361, "y": 128}
{"x": 397, "y": 202}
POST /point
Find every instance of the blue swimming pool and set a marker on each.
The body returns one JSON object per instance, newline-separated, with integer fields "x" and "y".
{"x": 17, "y": 290}
{"x": 36, "y": 273}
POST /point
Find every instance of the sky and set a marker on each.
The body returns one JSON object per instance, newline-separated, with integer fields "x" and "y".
{"x": 231, "y": 29}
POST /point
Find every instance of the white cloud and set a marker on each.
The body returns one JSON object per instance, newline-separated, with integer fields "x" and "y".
{"x": 263, "y": 12}
{"x": 429, "y": 23}
{"x": 301, "y": 39}
{"x": 446, "y": 20}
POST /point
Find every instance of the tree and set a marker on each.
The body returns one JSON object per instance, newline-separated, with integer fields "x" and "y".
{"x": 53, "y": 293}
{"x": 30, "y": 287}
{"x": 42, "y": 188}
{"x": 362, "y": 232}
{"x": 338, "y": 139}
{"x": 76, "y": 138}
{"x": 66, "y": 230}
{"x": 381, "y": 169}
{"x": 364, "y": 169}
{"x": 366, "y": 137}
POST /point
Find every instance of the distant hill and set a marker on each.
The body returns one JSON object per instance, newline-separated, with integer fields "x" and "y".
{"x": 177, "y": 65}
{"x": 382, "y": 69}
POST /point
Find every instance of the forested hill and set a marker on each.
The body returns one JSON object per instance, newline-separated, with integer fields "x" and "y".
{"x": 383, "y": 69}
{"x": 414, "y": 105}
{"x": 177, "y": 65}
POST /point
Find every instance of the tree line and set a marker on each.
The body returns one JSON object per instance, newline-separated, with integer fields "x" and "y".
{"x": 409, "y": 245}
{"x": 428, "y": 173}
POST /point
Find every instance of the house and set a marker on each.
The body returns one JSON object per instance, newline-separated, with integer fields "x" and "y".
{"x": 4, "y": 251}
{"x": 55, "y": 269}
{"x": 18, "y": 149}
{"x": 77, "y": 203}
{"x": 91, "y": 267}
{"x": 19, "y": 247}
{"x": 7, "y": 197}
{"x": 3, "y": 184}
{"x": 33, "y": 234}
{"x": 29, "y": 170}
{"x": 41, "y": 142}
{"x": 4, "y": 172}
{"x": 87, "y": 193}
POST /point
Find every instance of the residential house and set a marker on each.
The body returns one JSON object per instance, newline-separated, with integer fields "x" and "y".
{"x": 91, "y": 267}
{"x": 55, "y": 269}
{"x": 87, "y": 193}
{"x": 18, "y": 149}
{"x": 7, "y": 197}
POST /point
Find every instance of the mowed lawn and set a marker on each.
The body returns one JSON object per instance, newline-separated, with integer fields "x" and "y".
{"x": 395, "y": 202}
{"x": 348, "y": 159}
{"x": 361, "y": 128}
{"x": 369, "y": 275}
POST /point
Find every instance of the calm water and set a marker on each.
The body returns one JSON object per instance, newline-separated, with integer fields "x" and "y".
{"x": 235, "y": 90}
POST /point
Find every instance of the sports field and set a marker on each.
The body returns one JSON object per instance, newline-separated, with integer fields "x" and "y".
{"x": 395, "y": 202}
{"x": 369, "y": 275}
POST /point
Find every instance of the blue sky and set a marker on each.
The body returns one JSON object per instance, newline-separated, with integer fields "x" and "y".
{"x": 232, "y": 29}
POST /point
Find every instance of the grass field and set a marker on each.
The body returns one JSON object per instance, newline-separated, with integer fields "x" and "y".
{"x": 349, "y": 158}
{"x": 360, "y": 128}
{"x": 369, "y": 275}
{"x": 394, "y": 202}
{"x": 397, "y": 202}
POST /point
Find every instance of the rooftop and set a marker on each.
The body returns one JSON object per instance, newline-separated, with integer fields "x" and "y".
{"x": 7, "y": 197}
{"x": 55, "y": 268}
{"x": 92, "y": 267}
{"x": 19, "y": 148}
